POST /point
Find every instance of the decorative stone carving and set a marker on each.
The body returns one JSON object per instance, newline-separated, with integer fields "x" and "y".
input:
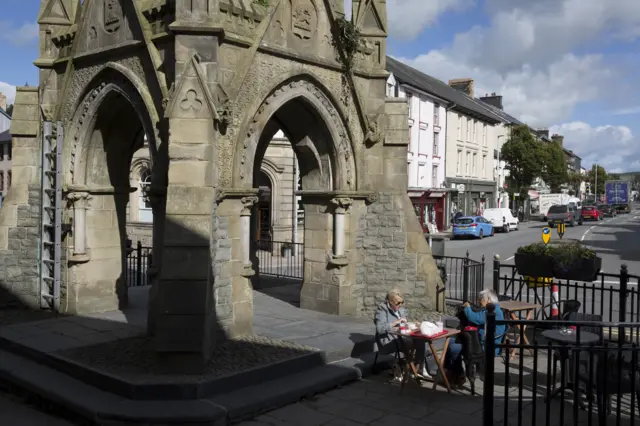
{"x": 79, "y": 200}
{"x": 341, "y": 204}
{"x": 304, "y": 19}
{"x": 113, "y": 16}
{"x": 374, "y": 133}
{"x": 191, "y": 101}
{"x": 247, "y": 205}
{"x": 372, "y": 198}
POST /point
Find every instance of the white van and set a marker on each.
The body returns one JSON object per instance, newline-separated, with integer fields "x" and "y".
{"x": 501, "y": 219}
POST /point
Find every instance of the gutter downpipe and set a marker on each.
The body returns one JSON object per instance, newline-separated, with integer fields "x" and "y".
{"x": 447, "y": 209}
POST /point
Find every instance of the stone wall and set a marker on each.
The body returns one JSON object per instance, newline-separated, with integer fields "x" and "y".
{"x": 20, "y": 213}
{"x": 142, "y": 232}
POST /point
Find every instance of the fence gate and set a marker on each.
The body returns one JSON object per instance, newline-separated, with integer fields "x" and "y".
{"x": 51, "y": 214}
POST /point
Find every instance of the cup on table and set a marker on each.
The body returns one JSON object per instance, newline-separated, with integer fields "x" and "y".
{"x": 440, "y": 325}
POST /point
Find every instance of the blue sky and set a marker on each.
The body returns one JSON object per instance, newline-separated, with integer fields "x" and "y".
{"x": 569, "y": 65}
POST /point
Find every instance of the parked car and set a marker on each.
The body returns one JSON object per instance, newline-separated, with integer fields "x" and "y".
{"x": 591, "y": 213}
{"x": 472, "y": 226}
{"x": 607, "y": 210}
{"x": 563, "y": 213}
{"x": 502, "y": 219}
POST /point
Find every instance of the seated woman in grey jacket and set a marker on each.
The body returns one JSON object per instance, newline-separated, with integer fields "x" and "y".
{"x": 389, "y": 315}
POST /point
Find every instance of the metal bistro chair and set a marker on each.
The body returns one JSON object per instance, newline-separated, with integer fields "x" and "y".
{"x": 397, "y": 357}
{"x": 566, "y": 308}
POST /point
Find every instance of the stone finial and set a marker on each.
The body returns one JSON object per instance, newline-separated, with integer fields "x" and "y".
{"x": 247, "y": 204}
{"x": 341, "y": 204}
{"x": 79, "y": 200}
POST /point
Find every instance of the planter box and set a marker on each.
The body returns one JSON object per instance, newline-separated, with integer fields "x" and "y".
{"x": 581, "y": 270}
{"x": 532, "y": 265}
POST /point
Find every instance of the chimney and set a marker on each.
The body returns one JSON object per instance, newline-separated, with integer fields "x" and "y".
{"x": 3, "y": 102}
{"x": 558, "y": 139}
{"x": 543, "y": 132}
{"x": 464, "y": 85}
{"x": 493, "y": 100}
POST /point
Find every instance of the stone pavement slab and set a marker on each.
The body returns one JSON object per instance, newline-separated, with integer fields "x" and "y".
{"x": 13, "y": 412}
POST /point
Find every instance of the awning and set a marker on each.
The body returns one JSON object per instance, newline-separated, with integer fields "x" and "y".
{"x": 533, "y": 194}
{"x": 428, "y": 192}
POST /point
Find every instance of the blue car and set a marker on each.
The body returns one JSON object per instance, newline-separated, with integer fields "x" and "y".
{"x": 472, "y": 226}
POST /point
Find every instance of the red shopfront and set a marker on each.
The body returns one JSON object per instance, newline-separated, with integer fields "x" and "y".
{"x": 430, "y": 208}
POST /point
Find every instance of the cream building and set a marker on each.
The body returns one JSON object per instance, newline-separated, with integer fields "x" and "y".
{"x": 472, "y": 141}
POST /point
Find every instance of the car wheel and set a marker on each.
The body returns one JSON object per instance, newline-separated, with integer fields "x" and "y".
{"x": 506, "y": 229}
{"x": 481, "y": 236}
{"x": 493, "y": 231}
{"x": 572, "y": 223}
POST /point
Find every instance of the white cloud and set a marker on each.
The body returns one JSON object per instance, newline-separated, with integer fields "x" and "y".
{"x": 408, "y": 18}
{"x": 9, "y": 91}
{"x": 616, "y": 148}
{"x": 525, "y": 54}
{"x": 23, "y": 35}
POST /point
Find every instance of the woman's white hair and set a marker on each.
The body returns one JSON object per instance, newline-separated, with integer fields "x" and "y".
{"x": 394, "y": 294}
{"x": 489, "y": 295}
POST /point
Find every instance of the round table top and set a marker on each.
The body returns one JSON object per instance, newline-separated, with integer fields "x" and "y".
{"x": 558, "y": 336}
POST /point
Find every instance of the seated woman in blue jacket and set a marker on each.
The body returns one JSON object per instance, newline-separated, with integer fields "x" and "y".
{"x": 454, "y": 365}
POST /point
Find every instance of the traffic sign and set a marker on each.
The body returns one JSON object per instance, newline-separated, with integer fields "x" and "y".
{"x": 546, "y": 235}
{"x": 561, "y": 229}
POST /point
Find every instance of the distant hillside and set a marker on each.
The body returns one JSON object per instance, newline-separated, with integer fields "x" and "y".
{"x": 629, "y": 176}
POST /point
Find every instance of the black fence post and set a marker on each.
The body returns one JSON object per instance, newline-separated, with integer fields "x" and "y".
{"x": 465, "y": 279}
{"x": 480, "y": 279}
{"x": 624, "y": 293}
{"x": 489, "y": 366}
{"x": 496, "y": 273}
{"x": 139, "y": 264}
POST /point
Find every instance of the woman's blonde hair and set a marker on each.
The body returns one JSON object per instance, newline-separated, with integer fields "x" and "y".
{"x": 394, "y": 294}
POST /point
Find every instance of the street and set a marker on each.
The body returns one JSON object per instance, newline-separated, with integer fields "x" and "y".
{"x": 614, "y": 239}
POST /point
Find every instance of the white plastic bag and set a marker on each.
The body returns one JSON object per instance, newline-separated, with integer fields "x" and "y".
{"x": 428, "y": 328}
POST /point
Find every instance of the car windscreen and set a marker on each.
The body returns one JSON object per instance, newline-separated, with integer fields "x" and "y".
{"x": 464, "y": 221}
{"x": 558, "y": 209}
{"x": 588, "y": 208}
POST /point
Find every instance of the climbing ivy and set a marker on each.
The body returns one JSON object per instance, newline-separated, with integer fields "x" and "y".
{"x": 264, "y": 3}
{"x": 347, "y": 39}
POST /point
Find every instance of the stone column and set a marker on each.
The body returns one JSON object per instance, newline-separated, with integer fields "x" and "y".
{"x": 245, "y": 223}
{"x": 80, "y": 201}
{"x": 340, "y": 209}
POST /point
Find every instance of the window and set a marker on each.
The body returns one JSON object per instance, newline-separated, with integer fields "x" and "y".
{"x": 466, "y": 164}
{"x": 1, "y": 181}
{"x": 390, "y": 90}
{"x": 434, "y": 176}
{"x": 145, "y": 213}
{"x": 459, "y": 162}
{"x": 409, "y": 102}
{"x": 436, "y": 114}
{"x": 1, "y": 151}
{"x": 435, "y": 144}
{"x": 475, "y": 157}
{"x": 484, "y": 135}
{"x": 8, "y": 148}
{"x": 484, "y": 165}
{"x": 459, "y": 127}
{"x": 473, "y": 129}
{"x": 468, "y": 129}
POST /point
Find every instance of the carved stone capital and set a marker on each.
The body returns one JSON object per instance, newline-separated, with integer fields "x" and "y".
{"x": 247, "y": 204}
{"x": 337, "y": 262}
{"x": 79, "y": 200}
{"x": 248, "y": 271}
{"x": 372, "y": 198}
{"x": 341, "y": 204}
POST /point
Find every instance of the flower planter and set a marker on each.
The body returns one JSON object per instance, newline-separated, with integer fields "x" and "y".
{"x": 533, "y": 265}
{"x": 580, "y": 270}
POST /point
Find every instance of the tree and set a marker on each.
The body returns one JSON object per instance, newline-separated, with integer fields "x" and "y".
{"x": 521, "y": 154}
{"x": 575, "y": 180}
{"x": 554, "y": 170}
{"x": 10, "y": 110}
{"x": 602, "y": 177}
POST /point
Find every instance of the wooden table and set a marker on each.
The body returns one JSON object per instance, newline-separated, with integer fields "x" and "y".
{"x": 512, "y": 308}
{"x": 410, "y": 364}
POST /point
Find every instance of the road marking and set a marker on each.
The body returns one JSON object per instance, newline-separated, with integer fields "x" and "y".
{"x": 506, "y": 260}
{"x": 586, "y": 232}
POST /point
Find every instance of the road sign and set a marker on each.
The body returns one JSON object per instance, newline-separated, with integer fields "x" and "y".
{"x": 546, "y": 235}
{"x": 560, "y": 228}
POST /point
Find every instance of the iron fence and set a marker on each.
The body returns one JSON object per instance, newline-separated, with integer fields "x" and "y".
{"x": 612, "y": 297}
{"x": 572, "y": 375}
{"x": 464, "y": 276}
{"x": 280, "y": 258}
{"x": 139, "y": 259}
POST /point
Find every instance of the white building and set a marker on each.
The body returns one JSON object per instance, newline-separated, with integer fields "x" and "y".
{"x": 426, "y": 156}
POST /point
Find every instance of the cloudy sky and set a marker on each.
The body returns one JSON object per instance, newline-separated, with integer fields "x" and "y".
{"x": 570, "y": 65}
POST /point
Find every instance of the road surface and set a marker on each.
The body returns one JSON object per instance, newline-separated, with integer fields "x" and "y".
{"x": 14, "y": 411}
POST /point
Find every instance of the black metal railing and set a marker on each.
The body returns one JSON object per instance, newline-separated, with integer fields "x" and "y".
{"x": 571, "y": 375}
{"x": 465, "y": 276}
{"x": 612, "y": 297}
{"x": 280, "y": 258}
{"x": 139, "y": 259}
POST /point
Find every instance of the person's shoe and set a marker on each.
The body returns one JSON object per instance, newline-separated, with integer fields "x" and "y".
{"x": 425, "y": 374}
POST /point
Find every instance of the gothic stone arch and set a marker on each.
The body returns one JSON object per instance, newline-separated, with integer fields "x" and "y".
{"x": 200, "y": 78}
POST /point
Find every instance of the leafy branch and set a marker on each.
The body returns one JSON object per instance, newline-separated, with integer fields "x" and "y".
{"x": 346, "y": 39}
{"x": 264, "y": 3}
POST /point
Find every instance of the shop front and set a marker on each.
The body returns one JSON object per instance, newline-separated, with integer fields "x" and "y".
{"x": 471, "y": 197}
{"x": 430, "y": 207}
